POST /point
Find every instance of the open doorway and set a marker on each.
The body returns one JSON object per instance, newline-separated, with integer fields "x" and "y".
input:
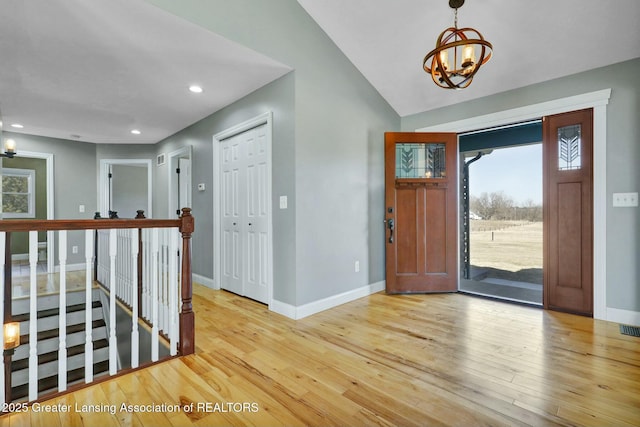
{"x": 502, "y": 223}
{"x": 125, "y": 187}
{"x": 179, "y": 180}
{"x": 594, "y": 287}
{"x": 502, "y": 211}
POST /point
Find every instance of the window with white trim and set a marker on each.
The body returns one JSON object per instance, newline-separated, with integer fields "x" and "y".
{"x": 18, "y": 193}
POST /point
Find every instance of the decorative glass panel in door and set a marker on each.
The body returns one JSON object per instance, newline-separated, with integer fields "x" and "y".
{"x": 420, "y": 160}
{"x": 569, "y": 141}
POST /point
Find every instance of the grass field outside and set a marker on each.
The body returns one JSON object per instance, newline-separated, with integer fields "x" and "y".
{"x": 510, "y": 250}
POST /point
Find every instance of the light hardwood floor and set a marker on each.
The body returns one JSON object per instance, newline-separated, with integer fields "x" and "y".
{"x": 407, "y": 360}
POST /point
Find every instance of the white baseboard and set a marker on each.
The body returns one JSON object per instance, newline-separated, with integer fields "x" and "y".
{"x": 56, "y": 268}
{"x": 283, "y": 308}
{"x": 314, "y": 307}
{"x": 205, "y": 281}
{"x": 626, "y": 317}
{"x": 71, "y": 267}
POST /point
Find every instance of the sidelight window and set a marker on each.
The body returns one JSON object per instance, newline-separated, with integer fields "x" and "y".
{"x": 569, "y": 155}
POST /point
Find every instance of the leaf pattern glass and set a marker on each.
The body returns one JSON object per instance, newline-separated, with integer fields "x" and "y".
{"x": 420, "y": 160}
{"x": 569, "y": 154}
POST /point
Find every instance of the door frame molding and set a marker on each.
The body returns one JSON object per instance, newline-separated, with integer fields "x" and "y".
{"x": 597, "y": 100}
{"x": 174, "y": 158}
{"x": 103, "y": 183}
{"x": 262, "y": 119}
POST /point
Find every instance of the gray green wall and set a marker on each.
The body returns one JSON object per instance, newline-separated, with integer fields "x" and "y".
{"x": 328, "y": 125}
{"x": 330, "y": 166}
{"x": 623, "y": 157}
{"x": 130, "y": 190}
{"x": 333, "y": 151}
{"x": 277, "y": 97}
{"x": 74, "y": 179}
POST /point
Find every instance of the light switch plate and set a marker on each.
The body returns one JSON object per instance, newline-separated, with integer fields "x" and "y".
{"x": 283, "y": 202}
{"x": 625, "y": 200}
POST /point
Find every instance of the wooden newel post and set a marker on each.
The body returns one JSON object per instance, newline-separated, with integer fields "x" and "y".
{"x": 140, "y": 215}
{"x": 187, "y": 318}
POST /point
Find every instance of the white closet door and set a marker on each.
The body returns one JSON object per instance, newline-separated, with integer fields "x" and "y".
{"x": 244, "y": 217}
{"x": 231, "y": 256}
{"x": 256, "y": 215}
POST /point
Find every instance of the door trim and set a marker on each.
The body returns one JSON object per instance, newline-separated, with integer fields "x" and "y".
{"x": 262, "y": 119}
{"x": 597, "y": 100}
{"x": 174, "y": 158}
{"x": 103, "y": 183}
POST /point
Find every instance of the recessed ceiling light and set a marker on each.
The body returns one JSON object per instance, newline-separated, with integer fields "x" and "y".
{"x": 195, "y": 89}
{"x": 136, "y": 132}
{"x": 17, "y": 126}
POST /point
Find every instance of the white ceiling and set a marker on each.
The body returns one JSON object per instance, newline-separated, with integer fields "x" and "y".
{"x": 533, "y": 41}
{"x": 94, "y": 70}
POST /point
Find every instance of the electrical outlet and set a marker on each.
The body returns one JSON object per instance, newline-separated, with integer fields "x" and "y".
{"x": 624, "y": 200}
{"x": 74, "y": 249}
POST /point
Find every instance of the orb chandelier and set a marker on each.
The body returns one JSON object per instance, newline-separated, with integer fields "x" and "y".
{"x": 459, "y": 54}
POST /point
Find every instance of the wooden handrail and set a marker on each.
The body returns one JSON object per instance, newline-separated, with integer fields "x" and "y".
{"x": 185, "y": 224}
{"x": 85, "y": 224}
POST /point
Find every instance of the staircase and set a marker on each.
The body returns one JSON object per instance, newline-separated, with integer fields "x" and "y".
{"x": 48, "y": 342}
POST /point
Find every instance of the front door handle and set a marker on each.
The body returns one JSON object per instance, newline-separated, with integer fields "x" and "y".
{"x": 390, "y": 226}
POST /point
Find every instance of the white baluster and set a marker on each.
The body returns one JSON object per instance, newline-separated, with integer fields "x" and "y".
{"x": 62, "y": 323}
{"x": 33, "y": 315}
{"x": 88, "y": 320}
{"x": 116, "y": 282}
{"x": 135, "y": 342}
{"x": 154, "y": 295}
{"x": 3, "y": 236}
{"x": 164, "y": 314}
{"x": 123, "y": 250}
{"x": 173, "y": 292}
{"x": 100, "y": 257}
{"x": 113, "y": 341}
{"x": 103, "y": 258}
{"x": 145, "y": 273}
{"x": 131, "y": 260}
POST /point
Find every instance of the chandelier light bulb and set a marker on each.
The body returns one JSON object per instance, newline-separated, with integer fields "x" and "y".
{"x": 444, "y": 59}
{"x": 468, "y": 56}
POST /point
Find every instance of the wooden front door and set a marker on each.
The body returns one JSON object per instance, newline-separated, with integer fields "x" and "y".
{"x": 420, "y": 212}
{"x": 568, "y": 213}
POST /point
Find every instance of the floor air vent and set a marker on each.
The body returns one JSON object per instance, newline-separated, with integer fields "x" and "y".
{"x": 630, "y": 330}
